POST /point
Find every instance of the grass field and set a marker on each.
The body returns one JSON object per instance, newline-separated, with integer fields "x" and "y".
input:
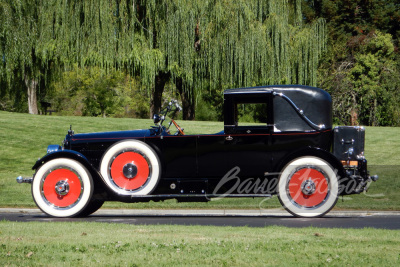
{"x": 103, "y": 244}
{"x": 24, "y": 138}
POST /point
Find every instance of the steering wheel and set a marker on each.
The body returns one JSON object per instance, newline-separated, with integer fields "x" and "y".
{"x": 180, "y": 130}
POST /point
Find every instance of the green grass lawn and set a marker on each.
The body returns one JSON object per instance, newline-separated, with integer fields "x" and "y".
{"x": 106, "y": 244}
{"x": 24, "y": 138}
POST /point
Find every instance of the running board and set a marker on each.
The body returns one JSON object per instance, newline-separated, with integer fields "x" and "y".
{"x": 200, "y": 196}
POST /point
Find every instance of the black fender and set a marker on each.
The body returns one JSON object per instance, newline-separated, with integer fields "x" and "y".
{"x": 319, "y": 153}
{"x": 71, "y": 154}
{"x": 65, "y": 153}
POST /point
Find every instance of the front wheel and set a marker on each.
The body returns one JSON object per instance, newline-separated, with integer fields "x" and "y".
{"x": 62, "y": 188}
{"x": 308, "y": 187}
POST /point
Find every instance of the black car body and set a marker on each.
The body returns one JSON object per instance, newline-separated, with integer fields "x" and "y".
{"x": 295, "y": 153}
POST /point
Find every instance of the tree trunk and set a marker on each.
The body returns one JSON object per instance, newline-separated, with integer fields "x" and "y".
{"x": 354, "y": 117}
{"x": 188, "y": 103}
{"x": 156, "y": 99}
{"x": 31, "y": 85}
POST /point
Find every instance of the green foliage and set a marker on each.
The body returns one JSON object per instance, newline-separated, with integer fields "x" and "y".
{"x": 206, "y": 112}
{"x": 253, "y": 43}
{"x": 365, "y": 84}
{"x": 360, "y": 68}
{"x": 93, "y": 92}
{"x": 210, "y": 106}
{"x": 214, "y": 45}
{"x": 205, "y": 45}
{"x": 354, "y": 17}
{"x": 254, "y": 113}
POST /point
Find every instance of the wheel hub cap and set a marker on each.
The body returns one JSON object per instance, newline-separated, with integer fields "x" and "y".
{"x": 308, "y": 187}
{"x": 62, "y": 187}
{"x": 130, "y": 170}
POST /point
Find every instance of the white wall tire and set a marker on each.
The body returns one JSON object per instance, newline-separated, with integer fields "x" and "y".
{"x": 131, "y": 168}
{"x": 308, "y": 187}
{"x": 62, "y": 187}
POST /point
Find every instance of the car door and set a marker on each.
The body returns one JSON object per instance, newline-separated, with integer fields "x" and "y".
{"x": 212, "y": 154}
{"x": 179, "y": 156}
{"x": 249, "y": 139}
{"x": 249, "y": 149}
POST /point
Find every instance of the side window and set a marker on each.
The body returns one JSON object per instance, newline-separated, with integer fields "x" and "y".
{"x": 249, "y": 113}
{"x": 252, "y": 114}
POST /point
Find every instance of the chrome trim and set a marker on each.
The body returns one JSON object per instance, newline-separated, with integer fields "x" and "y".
{"x": 27, "y": 180}
{"x": 62, "y": 187}
{"x": 308, "y": 187}
{"x": 129, "y": 170}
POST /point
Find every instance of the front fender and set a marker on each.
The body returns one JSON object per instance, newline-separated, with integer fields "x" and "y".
{"x": 100, "y": 187}
{"x": 65, "y": 153}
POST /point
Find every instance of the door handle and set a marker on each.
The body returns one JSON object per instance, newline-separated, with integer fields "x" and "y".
{"x": 229, "y": 138}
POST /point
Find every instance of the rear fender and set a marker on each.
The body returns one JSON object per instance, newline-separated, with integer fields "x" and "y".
{"x": 319, "y": 153}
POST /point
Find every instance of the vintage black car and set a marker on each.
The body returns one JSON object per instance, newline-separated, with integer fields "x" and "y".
{"x": 293, "y": 152}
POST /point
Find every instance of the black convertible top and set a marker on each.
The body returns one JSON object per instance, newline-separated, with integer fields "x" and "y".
{"x": 295, "y": 107}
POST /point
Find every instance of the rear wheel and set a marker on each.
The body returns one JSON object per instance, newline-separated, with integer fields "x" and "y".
{"x": 62, "y": 188}
{"x": 308, "y": 187}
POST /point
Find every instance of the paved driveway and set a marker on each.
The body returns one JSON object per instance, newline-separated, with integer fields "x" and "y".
{"x": 251, "y": 218}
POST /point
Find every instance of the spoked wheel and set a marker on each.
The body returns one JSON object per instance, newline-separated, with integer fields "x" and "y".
{"x": 308, "y": 187}
{"x": 130, "y": 168}
{"x": 62, "y": 188}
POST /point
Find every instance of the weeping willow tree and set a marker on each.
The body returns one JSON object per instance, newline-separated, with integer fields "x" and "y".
{"x": 18, "y": 37}
{"x": 262, "y": 42}
{"x": 41, "y": 38}
{"x": 224, "y": 44}
{"x": 196, "y": 44}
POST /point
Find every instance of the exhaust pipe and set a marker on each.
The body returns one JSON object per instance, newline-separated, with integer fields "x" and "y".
{"x": 27, "y": 180}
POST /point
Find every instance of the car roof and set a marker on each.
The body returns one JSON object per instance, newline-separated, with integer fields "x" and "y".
{"x": 270, "y": 89}
{"x": 295, "y": 107}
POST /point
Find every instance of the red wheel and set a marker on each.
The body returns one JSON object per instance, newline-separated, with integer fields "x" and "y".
{"x": 308, "y": 187}
{"x": 130, "y": 168}
{"x": 62, "y": 187}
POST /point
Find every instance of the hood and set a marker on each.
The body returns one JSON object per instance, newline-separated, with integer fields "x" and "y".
{"x": 108, "y": 136}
